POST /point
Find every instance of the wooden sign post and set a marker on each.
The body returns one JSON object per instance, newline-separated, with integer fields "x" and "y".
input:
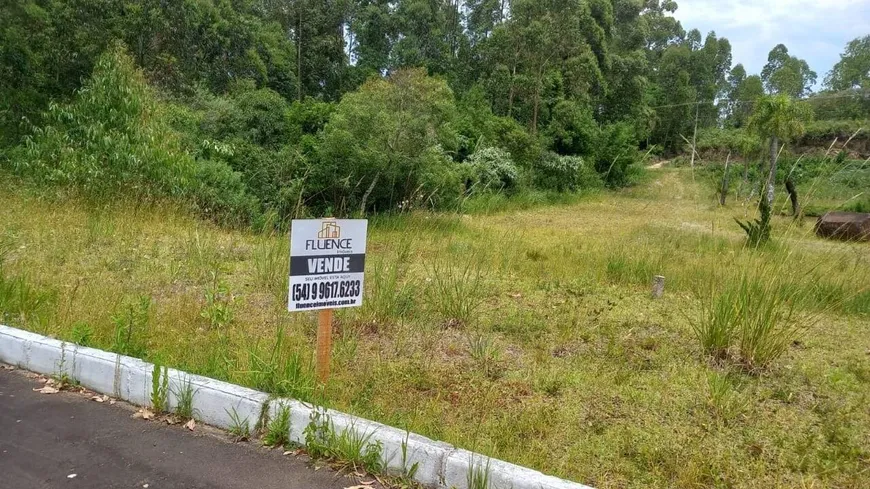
{"x": 327, "y": 265}
{"x": 324, "y": 344}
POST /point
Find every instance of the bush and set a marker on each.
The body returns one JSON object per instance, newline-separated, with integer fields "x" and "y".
{"x": 115, "y": 139}
{"x": 111, "y": 139}
{"x": 564, "y": 173}
{"x": 616, "y": 154}
{"x": 378, "y": 149}
{"x": 492, "y": 169}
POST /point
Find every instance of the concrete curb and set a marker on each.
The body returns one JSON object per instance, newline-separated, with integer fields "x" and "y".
{"x": 215, "y": 402}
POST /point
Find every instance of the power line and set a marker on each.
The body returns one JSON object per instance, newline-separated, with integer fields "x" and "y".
{"x": 699, "y": 102}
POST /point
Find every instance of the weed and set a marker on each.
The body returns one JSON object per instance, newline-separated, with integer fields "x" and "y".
{"x": 408, "y": 472}
{"x": 485, "y": 352}
{"x": 130, "y": 328}
{"x": 390, "y": 290}
{"x": 722, "y": 398}
{"x": 350, "y": 447}
{"x": 270, "y": 262}
{"x": 278, "y": 428}
{"x": 279, "y": 372}
{"x": 240, "y": 428}
{"x": 754, "y": 312}
{"x": 478, "y": 476}
{"x": 184, "y": 399}
{"x": 758, "y": 231}
{"x": 455, "y": 289}
{"x": 19, "y": 300}
{"x": 82, "y": 334}
{"x": 218, "y": 308}
{"x": 159, "y": 389}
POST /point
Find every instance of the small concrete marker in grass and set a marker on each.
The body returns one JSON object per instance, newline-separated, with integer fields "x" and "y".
{"x": 327, "y": 264}
{"x": 658, "y": 287}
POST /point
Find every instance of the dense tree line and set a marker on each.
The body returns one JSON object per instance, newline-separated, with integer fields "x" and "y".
{"x": 365, "y": 104}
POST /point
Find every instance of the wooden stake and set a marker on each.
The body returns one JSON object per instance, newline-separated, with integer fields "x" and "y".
{"x": 324, "y": 344}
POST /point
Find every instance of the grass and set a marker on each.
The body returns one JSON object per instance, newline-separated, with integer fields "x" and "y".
{"x": 278, "y": 428}
{"x": 240, "y": 428}
{"x": 561, "y": 361}
{"x": 184, "y": 400}
{"x": 349, "y": 447}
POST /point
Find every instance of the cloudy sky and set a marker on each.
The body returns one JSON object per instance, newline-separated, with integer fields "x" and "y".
{"x": 815, "y": 30}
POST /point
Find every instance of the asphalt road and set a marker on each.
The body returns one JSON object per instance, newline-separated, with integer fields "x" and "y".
{"x": 44, "y": 438}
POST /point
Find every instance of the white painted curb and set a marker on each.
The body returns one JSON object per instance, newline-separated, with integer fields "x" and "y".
{"x": 438, "y": 464}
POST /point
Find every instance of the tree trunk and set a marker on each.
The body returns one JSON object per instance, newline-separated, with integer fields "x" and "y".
{"x": 793, "y": 196}
{"x": 724, "y": 192}
{"x": 771, "y": 178}
{"x": 511, "y": 94}
{"x": 299, "y": 55}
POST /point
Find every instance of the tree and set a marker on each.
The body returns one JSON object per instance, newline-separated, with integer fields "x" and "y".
{"x": 741, "y": 94}
{"x": 388, "y": 143}
{"x": 778, "y": 118}
{"x": 786, "y": 74}
{"x": 853, "y": 69}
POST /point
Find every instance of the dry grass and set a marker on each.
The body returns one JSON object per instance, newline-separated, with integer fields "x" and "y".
{"x": 566, "y": 365}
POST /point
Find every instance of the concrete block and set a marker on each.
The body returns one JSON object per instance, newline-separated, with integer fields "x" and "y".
{"x": 95, "y": 369}
{"x": 502, "y": 475}
{"x": 46, "y": 356}
{"x": 14, "y": 344}
{"x": 428, "y": 455}
{"x": 134, "y": 381}
{"x": 214, "y": 401}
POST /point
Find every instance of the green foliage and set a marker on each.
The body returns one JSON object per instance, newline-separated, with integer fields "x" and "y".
{"x": 403, "y": 161}
{"x": 131, "y": 328}
{"x": 853, "y": 69}
{"x": 350, "y": 447}
{"x": 616, "y": 155}
{"x": 493, "y": 170}
{"x": 159, "y": 389}
{"x": 564, "y": 173}
{"x": 109, "y": 140}
{"x": 240, "y": 428}
{"x": 278, "y": 428}
{"x": 779, "y": 116}
{"x": 184, "y": 400}
{"x": 758, "y": 231}
{"x": 82, "y": 334}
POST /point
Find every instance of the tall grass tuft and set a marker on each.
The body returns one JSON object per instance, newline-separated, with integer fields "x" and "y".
{"x": 271, "y": 261}
{"x": 455, "y": 290}
{"x": 390, "y": 289}
{"x": 754, "y": 316}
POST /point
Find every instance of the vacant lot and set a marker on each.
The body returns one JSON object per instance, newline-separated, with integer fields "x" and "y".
{"x": 529, "y": 335}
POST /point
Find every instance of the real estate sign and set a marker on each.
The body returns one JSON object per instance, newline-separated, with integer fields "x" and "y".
{"x": 327, "y": 261}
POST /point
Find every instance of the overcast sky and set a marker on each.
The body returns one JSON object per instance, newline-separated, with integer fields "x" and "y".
{"x": 815, "y": 30}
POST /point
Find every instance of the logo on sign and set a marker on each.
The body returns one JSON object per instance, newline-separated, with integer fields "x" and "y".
{"x": 330, "y": 230}
{"x": 329, "y": 238}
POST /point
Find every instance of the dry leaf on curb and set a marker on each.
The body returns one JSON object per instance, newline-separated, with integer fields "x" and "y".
{"x": 7, "y": 367}
{"x": 111, "y": 401}
{"x": 190, "y": 425}
{"x": 368, "y": 486}
{"x": 171, "y": 420}
{"x": 47, "y": 390}
{"x": 288, "y": 452}
{"x": 100, "y": 398}
{"x": 144, "y": 414}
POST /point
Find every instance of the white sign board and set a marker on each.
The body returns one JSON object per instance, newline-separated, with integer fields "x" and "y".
{"x": 327, "y": 261}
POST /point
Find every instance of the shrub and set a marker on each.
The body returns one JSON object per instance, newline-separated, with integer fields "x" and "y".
{"x": 616, "y": 155}
{"x": 493, "y": 169}
{"x": 564, "y": 173}
{"x": 109, "y": 140}
{"x": 379, "y": 147}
